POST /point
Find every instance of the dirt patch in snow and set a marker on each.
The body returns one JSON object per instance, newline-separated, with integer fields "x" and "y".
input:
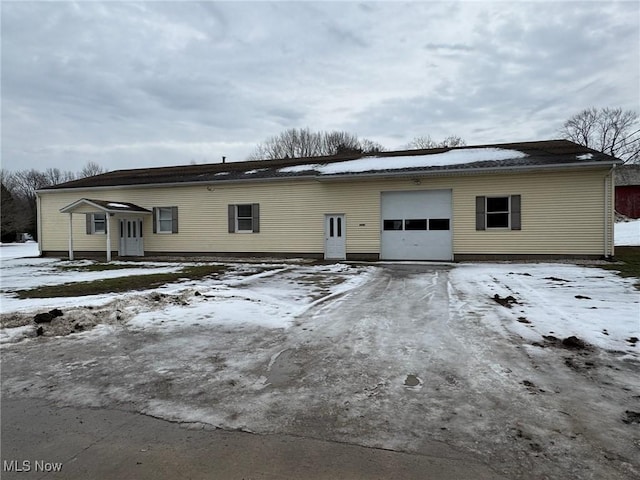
{"x": 631, "y": 417}
{"x": 507, "y": 301}
{"x": 569, "y": 343}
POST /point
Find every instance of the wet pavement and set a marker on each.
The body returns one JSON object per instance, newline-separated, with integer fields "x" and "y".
{"x": 82, "y": 443}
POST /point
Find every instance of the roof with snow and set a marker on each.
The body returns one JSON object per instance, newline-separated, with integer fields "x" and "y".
{"x": 457, "y": 160}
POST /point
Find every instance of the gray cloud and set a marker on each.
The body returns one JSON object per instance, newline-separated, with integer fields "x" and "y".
{"x": 155, "y": 83}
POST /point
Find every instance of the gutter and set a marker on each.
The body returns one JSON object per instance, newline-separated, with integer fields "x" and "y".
{"x": 609, "y": 184}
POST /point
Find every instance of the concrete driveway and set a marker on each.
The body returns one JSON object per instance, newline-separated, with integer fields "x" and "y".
{"x": 404, "y": 363}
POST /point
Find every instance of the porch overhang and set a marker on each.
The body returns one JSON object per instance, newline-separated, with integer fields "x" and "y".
{"x": 106, "y": 206}
{"x": 110, "y": 208}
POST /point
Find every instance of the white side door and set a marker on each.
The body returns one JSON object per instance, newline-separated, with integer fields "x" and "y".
{"x": 334, "y": 237}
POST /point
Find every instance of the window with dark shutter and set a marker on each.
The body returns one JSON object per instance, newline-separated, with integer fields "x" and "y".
{"x": 96, "y": 223}
{"x": 516, "y": 220}
{"x": 165, "y": 220}
{"x": 480, "y": 212}
{"x": 498, "y": 212}
{"x": 244, "y": 218}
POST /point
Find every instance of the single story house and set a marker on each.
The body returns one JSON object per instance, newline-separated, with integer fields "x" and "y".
{"x": 628, "y": 190}
{"x": 545, "y": 199}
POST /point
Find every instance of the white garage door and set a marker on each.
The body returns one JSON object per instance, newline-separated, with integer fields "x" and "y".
{"x": 416, "y": 225}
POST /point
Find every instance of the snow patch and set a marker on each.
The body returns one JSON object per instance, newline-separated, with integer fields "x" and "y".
{"x": 377, "y": 163}
{"x": 11, "y": 335}
{"x": 627, "y": 233}
{"x": 561, "y": 300}
{"x": 18, "y": 250}
{"x": 585, "y": 156}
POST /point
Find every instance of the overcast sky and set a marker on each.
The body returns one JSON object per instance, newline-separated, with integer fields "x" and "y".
{"x": 130, "y": 84}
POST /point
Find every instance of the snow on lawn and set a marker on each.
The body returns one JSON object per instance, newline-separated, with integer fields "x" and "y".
{"x": 267, "y": 295}
{"x": 20, "y": 270}
{"x": 627, "y": 233}
{"x": 9, "y": 335}
{"x": 452, "y": 157}
{"x": 18, "y": 250}
{"x": 559, "y": 300}
{"x": 271, "y": 299}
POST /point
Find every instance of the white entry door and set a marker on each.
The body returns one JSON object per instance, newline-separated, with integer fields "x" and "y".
{"x": 334, "y": 237}
{"x": 131, "y": 243}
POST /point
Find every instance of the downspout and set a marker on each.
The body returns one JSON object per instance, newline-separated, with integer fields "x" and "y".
{"x": 108, "y": 228}
{"x": 608, "y": 237}
{"x": 39, "y": 223}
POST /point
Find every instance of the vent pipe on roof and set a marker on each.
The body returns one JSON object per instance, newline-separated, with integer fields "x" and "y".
{"x": 223, "y": 159}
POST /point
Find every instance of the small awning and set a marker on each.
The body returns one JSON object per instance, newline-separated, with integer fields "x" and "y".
{"x": 107, "y": 206}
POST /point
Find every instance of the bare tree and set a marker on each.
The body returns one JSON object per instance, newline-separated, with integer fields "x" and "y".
{"x": 427, "y": 142}
{"x": 55, "y": 176}
{"x": 91, "y": 169}
{"x": 300, "y": 143}
{"x": 12, "y": 222}
{"x": 613, "y": 131}
{"x": 23, "y": 185}
{"x": 19, "y": 205}
{"x": 369, "y": 146}
{"x": 340, "y": 142}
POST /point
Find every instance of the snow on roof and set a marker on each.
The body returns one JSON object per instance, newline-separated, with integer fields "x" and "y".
{"x": 368, "y": 164}
{"x": 118, "y": 205}
{"x": 586, "y": 156}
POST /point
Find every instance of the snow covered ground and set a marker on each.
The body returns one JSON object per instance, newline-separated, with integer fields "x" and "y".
{"x": 239, "y": 296}
{"x": 394, "y": 356}
{"x": 627, "y": 233}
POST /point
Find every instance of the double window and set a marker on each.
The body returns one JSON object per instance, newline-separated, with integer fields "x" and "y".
{"x": 416, "y": 224}
{"x": 244, "y": 218}
{"x": 498, "y": 212}
{"x": 165, "y": 219}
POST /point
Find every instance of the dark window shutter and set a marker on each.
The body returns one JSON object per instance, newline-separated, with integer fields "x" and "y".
{"x": 232, "y": 218}
{"x": 515, "y": 213}
{"x": 174, "y": 219}
{"x": 255, "y": 217}
{"x": 89, "y": 217}
{"x": 480, "y": 213}
{"x": 155, "y": 219}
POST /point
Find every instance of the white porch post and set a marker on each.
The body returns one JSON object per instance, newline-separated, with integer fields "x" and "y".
{"x": 70, "y": 236}
{"x": 107, "y": 222}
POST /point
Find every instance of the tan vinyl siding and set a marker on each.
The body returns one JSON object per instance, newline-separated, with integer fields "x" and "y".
{"x": 562, "y": 213}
